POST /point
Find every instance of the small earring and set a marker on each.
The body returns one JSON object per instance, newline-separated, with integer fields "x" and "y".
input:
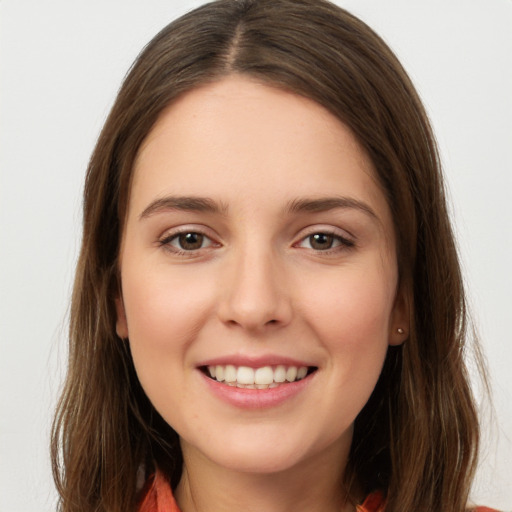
{"x": 400, "y": 330}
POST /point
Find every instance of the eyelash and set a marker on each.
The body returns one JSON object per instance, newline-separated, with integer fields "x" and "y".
{"x": 165, "y": 242}
{"x": 343, "y": 243}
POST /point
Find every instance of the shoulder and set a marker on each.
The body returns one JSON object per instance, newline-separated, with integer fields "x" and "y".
{"x": 156, "y": 496}
{"x": 375, "y": 502}
{"x": 471, "y": 507}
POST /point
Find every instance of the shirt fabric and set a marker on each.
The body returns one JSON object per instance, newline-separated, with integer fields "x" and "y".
{"x": 158, "y": 497}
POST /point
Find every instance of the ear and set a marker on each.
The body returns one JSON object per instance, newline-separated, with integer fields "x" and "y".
{"x": 399, "y": 325}
{"x": 121, "y": 323}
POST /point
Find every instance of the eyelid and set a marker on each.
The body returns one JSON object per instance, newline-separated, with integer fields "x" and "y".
{"x": 172, "y": 233}
{"x": 347, "y": 240}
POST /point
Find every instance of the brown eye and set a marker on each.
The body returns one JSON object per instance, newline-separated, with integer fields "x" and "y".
{"x": 190, "y": 241}
{"x": 321, "y": 241}
{"x": 325, "y": 241}
{"x": 187, "y": 241}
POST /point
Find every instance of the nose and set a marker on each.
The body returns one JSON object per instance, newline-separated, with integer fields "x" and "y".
{"x": 255, "y": 295}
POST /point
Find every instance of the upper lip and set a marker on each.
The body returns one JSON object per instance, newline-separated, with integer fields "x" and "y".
{"x": 254, "y": 361}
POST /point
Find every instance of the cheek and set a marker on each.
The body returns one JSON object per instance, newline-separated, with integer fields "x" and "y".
{"x": 164, "y": 311}
{"x": 350, "y": 314}
{"x": 360, "y": 302}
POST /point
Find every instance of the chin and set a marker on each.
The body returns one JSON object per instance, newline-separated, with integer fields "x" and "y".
{"x": 262, "y": 451}
{"x": 258, "y": 461}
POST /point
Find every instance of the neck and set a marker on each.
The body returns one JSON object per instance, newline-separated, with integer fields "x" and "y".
{"x": 311, "y": 486}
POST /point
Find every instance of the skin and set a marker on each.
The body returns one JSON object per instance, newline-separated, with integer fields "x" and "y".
{"x": 258, "y": 286}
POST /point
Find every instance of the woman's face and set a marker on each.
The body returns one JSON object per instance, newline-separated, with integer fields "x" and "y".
{"x": 258, "y": 246}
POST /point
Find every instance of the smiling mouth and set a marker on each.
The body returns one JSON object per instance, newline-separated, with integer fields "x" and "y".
{"x": 265, "y": 377}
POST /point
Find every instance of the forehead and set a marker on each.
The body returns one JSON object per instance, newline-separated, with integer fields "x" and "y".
{"x": 237, "y": 138}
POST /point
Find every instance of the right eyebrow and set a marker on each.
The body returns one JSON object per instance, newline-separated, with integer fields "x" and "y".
{"x": 323, "y": 204}
{"x": 185, "y": 203}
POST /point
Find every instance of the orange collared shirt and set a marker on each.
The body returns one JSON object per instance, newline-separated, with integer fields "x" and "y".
{"x": 158, "y": 497}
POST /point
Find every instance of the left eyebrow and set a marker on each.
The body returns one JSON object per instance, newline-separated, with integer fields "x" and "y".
{"x": 329, "y": 203}
{"x": 183, "y": 203}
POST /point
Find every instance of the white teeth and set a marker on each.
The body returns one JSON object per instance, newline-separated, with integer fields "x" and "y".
{"x": 291, "y": 374}
{"x": 245, "y": 375}
{"x": 256, "y": 378}
{"x": 301, "y": 372}
{"x": 264, "y": 375}
{"x": 280, "y": 374}
{"x": 230, "y": 373}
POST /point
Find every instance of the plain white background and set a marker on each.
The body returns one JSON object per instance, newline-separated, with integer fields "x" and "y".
{"x": 61, "y": 64}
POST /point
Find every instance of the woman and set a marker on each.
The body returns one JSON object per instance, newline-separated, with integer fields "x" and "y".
{"x": 268, "y": 309}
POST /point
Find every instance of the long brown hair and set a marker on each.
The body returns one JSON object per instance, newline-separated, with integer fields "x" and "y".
{"x": 416, "y": 438}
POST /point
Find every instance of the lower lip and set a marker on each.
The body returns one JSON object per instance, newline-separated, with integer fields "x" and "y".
{"x": 257, "y": 398}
